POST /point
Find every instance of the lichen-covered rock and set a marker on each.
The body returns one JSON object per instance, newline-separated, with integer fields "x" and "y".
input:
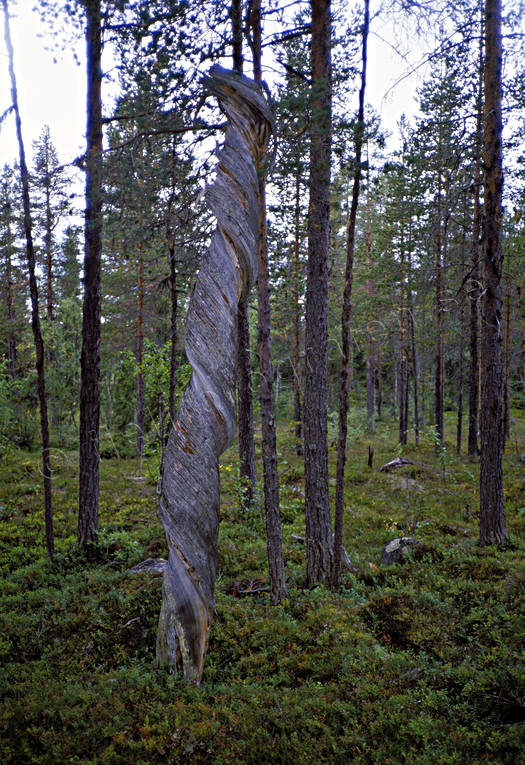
{"x": 397, "y": 549}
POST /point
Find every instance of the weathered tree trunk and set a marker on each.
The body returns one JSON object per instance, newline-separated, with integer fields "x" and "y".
{"x": 319, "y": 552}
{"x": 274, "y": 542}
{"x": 91, "y": 309}
{"x": 140, "y": 355}
{"x": 205, "y": 422}
{"x": 345, "y": 320}
{"x": 492, "y": 511}
{"x": 35, "y": 315}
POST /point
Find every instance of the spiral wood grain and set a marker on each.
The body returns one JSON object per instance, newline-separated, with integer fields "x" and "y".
{"x": 205, "y": 422}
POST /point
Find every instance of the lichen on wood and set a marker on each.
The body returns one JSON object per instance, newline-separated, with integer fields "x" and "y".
{"x": 205, "y": 423}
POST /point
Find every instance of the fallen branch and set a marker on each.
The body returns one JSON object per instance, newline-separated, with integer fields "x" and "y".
{"x": 399, "y": 462}
{"x": 150, "y": 566}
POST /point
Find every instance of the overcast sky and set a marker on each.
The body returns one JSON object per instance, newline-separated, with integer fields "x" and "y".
{"x": 48, "y": 93}
{"x": 54, "y": 93}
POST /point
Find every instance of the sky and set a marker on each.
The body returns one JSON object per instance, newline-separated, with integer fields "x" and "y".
{"x": 48, "y": 93}
{"x": 54, "y": 93}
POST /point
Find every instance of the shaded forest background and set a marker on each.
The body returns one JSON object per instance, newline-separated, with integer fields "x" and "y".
{"x": 411, "y": 634}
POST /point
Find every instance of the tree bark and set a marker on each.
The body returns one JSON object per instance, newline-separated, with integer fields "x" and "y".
{"x": 205, "y": 422}
{"x": 506, "y": 378}
{"x": 236, "y": 19}
{"x": 369, "y": 339}
{"x": 438, "y": 379}
{"x": 12, "y": 353}
{"x": 492, "y": 511}
{"x": 173, "y": 331}
{"x": 403, "y": 349}
{"x": 274, "y": 540}
{"x": 475, "y": 276}
{"x": 91, "y": 309}
{"x": 35, "y": 315}
{"x": 172, "y": 262}
{"x": 345, "y": 319}
{"x": 415, "y": 365}
{"x": 247, "y": 465}
{"x": 140, "y": 355}
{"x": 297, "y": 375}
{"x": 319, "y": 551}
{"x": 379, "y": 376}
{"x": 48, "y": 237}
{"x": 459, "y": 428}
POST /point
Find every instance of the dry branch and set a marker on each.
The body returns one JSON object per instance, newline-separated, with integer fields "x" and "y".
{"x": 399, "y": 462}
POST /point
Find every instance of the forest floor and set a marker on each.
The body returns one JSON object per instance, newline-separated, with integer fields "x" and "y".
{"x": 419, "y": 662}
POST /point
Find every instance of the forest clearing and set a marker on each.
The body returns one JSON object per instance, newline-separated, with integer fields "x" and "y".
{"x": 262, "y": 430}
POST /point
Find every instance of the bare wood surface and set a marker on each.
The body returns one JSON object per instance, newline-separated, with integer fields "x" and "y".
{"x": 399, "y": 462}
{"x": 205, "y": 422}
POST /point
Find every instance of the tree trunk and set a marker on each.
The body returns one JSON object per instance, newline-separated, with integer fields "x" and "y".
{"x": 522, "y": 302}
{"x": 12, "y": 353}
{"x": 438, "y": 379}
{"x": 345, "y": 319}
{"x": 91, "y": 310}
{"x": 205, "y": 422}
{"x": 297, "y": 376}
{"x": 506, "y": 382}
{"x": 173, "y": 331}
{"x": 379, "y": 376}
{"x": 415, "y": 365}
{"x": 492, "y": 511}
{"x": 247, "y": 465}
{"x": 274, "y": 540}
{"x": 403, "y": 360}
{"x": 474, "y": 279}
{"x": 172, "y": 262}
{"x": 369, "y": 339}
{"x": 140, "y": 355}
{"x": 319, "y": 552}
{"x": 35, "y": 315}
{"x": 461, "y": 333}
{"x": 236, "y": 19}
{"x": 48, "y": 241}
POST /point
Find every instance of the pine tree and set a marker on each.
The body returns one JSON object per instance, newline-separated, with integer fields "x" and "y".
{"x": 319, "y": 551}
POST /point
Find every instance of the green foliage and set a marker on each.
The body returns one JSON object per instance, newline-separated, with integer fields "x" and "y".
{"x": 156, "y": 373}
{"x": 18, "y": 410}
{"x": 415, "y": 662}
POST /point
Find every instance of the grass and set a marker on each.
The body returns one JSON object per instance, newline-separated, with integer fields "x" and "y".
{"x": 416, "y": 662}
